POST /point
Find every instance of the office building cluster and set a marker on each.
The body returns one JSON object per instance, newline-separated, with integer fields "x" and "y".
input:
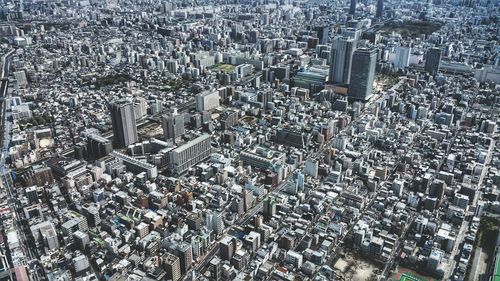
{"x": 249, "y": 140}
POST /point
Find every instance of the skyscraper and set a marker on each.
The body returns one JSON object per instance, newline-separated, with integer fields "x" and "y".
{"x": 214, "y": 267}
{"x": 380, "y": 8}
{"x": 124, "y": 126}
{"x": 173, "y": 266}
{"x": 341, "y": 58}
{"x": 207, "y": 100}
{"x": 322, "y": 33}
{"x": 173, "y": 126}
{"x": 433, "y": 60}
{"x": 185, "y": 253}
{"x": 402, "y": 59}
{"x": 214, "y": 222}
{"x": 269, "y": 207}
{"x": 362, "y": 74}
{"x": 98, "y": 147}
{"x": 352, "y": 8}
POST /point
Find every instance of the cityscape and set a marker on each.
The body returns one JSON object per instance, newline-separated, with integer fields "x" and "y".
{"x": 244, "y": 140}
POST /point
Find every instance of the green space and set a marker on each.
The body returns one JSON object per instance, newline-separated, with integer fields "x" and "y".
{"x": 35, "y": 121}
{"x": 411, "y": 28}
{"x": 222, "y": 66}
{"x": 386, "y": 81}
{"x": 406, "y": 274}
{"x": 488, "y": 232}
{"x": 57, "y": 25}
{"x": 175, "y": 85}
{"x": 107, "y": 80}
{"x": 497, "y": 267}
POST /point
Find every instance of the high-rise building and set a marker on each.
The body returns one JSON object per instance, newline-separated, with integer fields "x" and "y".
{"x": 214, "y": 222}
{"x": 45, "y": 234}
{"x": 433, "y": 60}
{"x": 402, "y": 59}
{"x": 172, "y": 266}
{"x": 124, "y": 126}
{"x": 351, "y": 32}
{"x": 227, "y": 247}
{"x": 81, "y": 240}
{"x": 214, "y": 267}
{"x": 173, "y": 126}
{"x": 189, "y": 154}
{"x": 311, "y": 168}
{"x": 185, "y": 253}
{"x": 98, "y": 147}
{"x": 352, "y": 8}
{"x": 380, "y": 8}
{"x": 322, "y": 33}
{"x": 269, "y": 207}
{"x": 362, "y": 74}
{"x": 207, "y": 100}
{"x": 92, "y": 215}
{"x": 341, "y": 58}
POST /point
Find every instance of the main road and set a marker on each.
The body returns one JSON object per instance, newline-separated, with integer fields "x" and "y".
{"x": 5, "y": 137}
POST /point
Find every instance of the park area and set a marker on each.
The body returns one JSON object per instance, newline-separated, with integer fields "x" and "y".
{"x": 411, "y": 28}
{"x": 224, "y": 67}
{"x": 406, "y": 274}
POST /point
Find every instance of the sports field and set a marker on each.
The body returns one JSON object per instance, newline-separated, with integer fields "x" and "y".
{"x": 406, "y": 274}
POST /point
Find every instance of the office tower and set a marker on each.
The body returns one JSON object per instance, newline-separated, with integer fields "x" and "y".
{"x": 207, "y": 101}
{"x": 380, "y": 8}
{"x": 189, "y": 154}
{"x": 341, "y": 58}
{"x": 92, "y": 215}
{"x": 173, "y": 126}
{"x": 32, "y": 194}
{"x": 362, "y": 74}
{"x": 172, "y": 266}
{"x": 433, "y": 60}
{"x": 351, "y": 32}
{"x": 98, "y": 147}
{"x": 214, "y": 267}
{"x": 229, "y": 119}
{"x": 269, "y": 207}
{"x": 300, "y": 181}
{"x": 352, "y": 8}
{"x": 81, "y": 240}
{"x": 185, "y": 253}
{"x": 45, "y": 234}
{"x": 172, "y": 66}
{"x": 124, "y": 126}
{"x": 265, "y": 98}
{"x": 140, "y": 107}
{"x": 311, "y": 168}
{"x": 402, "y": 57}
{"x": 81, "y": 263}
{"x": 214, "y": 222}
{"x": 227, "y": 247}
{"x": 322, "y": 33}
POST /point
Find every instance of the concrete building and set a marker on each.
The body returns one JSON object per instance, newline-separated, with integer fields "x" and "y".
{"x": 363, "y": 74}
{"x": 341, "y": 59}
{"x": 189, "y": 154}
{"x": 172, "y": 266}
{"x": 433, "y": 60}
{"x": 173, "y": 127}
{"x": 207, "y": 100}
{"x": 123, "y": 121}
